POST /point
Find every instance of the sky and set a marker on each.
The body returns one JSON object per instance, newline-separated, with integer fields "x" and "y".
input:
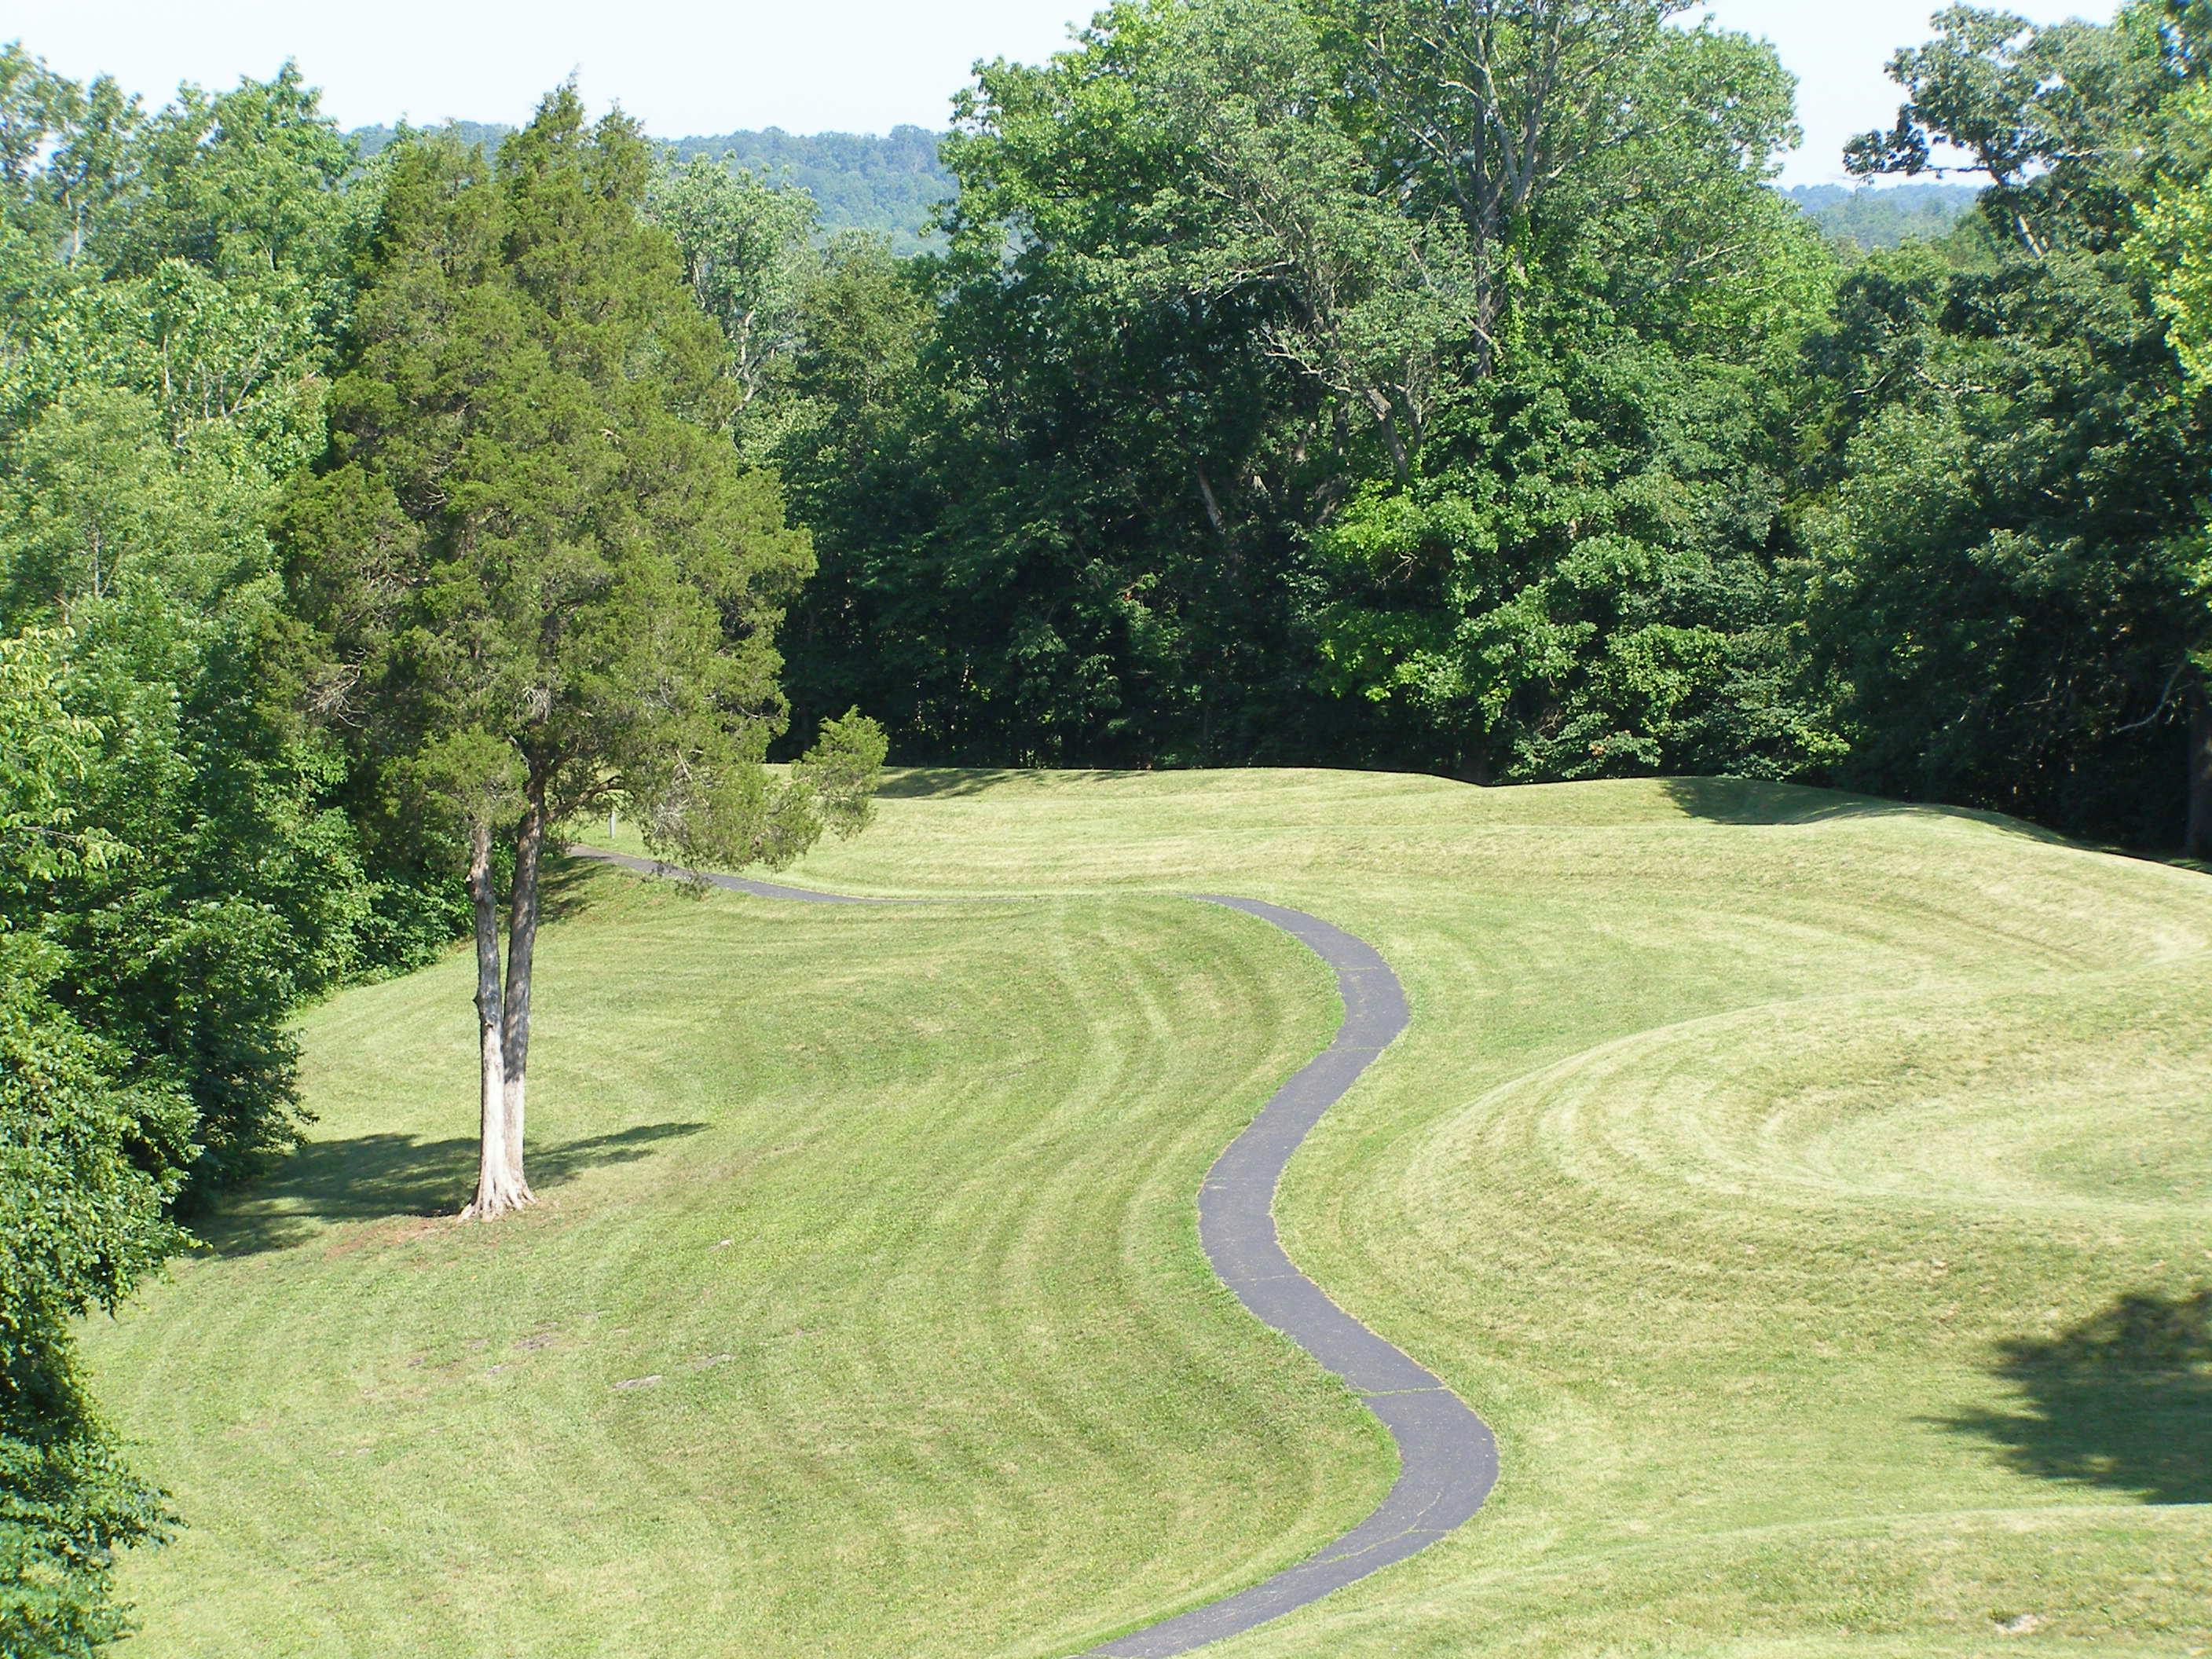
{"x": 707, "y": 66}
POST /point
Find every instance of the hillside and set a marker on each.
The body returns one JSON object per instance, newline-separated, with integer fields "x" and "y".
{"x": 1809, "y": 1191}
{"x": 889, "y": 184}
{"x": 886, "y": 184}
{"x": 1871, "y": 218}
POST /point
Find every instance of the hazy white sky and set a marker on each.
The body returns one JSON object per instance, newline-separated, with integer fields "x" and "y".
{"x": 697, "y": 66}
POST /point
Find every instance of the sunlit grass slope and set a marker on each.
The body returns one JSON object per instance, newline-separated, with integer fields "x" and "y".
{"x": 1813, "y": 1193}
{"x": 864, "y": 1314}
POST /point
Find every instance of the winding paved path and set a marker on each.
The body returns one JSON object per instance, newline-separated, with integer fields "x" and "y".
{"x": 1447, "y": 1456}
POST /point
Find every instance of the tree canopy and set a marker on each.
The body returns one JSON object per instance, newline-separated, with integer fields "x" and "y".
{"x": 1447, "y": 386}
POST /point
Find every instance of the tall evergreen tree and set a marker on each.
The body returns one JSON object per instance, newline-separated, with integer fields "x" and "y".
{"x": 547, "y": 579}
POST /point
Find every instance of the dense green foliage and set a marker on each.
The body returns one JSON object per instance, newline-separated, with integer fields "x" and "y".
{"x": 1263, "y": 413}
{"x": 88, "y": 1157}
{"x": 2005, "y": 587}
{"x": 173, "y": 284}
{"x": 177, "y": 878}
{"x": 1373, "y": 381}
{"x": 2175, "y": 251}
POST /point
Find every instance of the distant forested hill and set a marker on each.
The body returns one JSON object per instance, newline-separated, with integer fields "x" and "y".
{"x": 373, "y": 139}
{"x": 1885, "y": 218}
{"x": 888, "y": 183}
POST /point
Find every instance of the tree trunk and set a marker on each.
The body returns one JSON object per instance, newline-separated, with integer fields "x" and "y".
{"x": 2199, "y": 843}
{"x": 1212, "y": 505}
{"x": 1386, "y": 419}
{"x": 521, "y": 948}
{"x": 496, "y": 1193}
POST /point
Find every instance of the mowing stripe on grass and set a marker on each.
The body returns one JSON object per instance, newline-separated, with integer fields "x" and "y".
{"x": 1447, "y": 1457}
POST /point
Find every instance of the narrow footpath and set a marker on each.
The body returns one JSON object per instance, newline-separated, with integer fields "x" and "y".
{"x": 1447, "y": 1455}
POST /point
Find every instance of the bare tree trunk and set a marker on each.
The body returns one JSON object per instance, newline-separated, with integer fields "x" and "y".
{"x": 495, "y": 1194}
{"x": 1386, "y": 418}
{"x": 1212, "y": 505}
{"x": 521, "y": 948}
{"x": 2199, "y": 841}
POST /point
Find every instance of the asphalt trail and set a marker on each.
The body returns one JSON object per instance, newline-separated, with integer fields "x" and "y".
{"x": 1447, "y": 1455}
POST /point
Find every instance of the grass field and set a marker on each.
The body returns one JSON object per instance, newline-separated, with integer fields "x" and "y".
{"x": 1813, "y": 1193}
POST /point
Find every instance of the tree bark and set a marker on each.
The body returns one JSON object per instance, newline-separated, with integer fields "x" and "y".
{"x": 1386, "y": 417}
{"x": 495, "y": 1194}
{"x": 2199, "y": 839}
{"x": 1212, "y": 504}
{"x": 521, "y": 949}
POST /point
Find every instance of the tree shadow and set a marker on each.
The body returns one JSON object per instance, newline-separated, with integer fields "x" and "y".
{"x": 951, "y": 783}
{"x": 2123, "y": 1400}
{"x": 1751, "y": 801}
{"x": 564, "y": 886}
{"x": 378, "y": 1177}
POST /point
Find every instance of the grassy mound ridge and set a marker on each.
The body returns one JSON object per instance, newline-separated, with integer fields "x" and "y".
{"x": 1809, "y": 1189}
{"x": 1765, "y": 1164}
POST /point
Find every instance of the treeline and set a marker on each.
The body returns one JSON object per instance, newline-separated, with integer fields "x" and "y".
{"x": 892, "y": 184}
{"x": 369, "y": 143}
{"x": 178, "y": 866}
{"x": 1412, "y": 385}
{"x": 888, "y": 184}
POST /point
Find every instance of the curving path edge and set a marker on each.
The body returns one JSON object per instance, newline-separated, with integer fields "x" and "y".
{"x": 1447, "y": 1455}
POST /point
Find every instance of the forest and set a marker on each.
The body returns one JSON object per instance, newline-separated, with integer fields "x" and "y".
{"x": 1366, "y": 383}
{"x": 1279, "y": 400}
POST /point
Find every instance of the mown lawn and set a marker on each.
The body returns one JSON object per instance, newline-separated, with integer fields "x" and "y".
{"x": 1811, "y": 1192}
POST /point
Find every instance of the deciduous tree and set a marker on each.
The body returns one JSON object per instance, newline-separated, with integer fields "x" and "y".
{"x": 747, "y": 246}
{"x": 2008, "y": 561}
{"x": 88, "y": 1162}
{"x": 2176, "y": 247}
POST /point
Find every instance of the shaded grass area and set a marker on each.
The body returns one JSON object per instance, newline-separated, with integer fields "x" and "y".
{"x": 1809, "y": 1189}
{"x": 2122, "y": 1400}
{"x": 385, "y": 1175}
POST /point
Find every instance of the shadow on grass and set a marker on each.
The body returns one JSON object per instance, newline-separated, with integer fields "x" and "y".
{"x": 1745, "y": 801}
{"x": 2122, "y": 1400}
{"x": 564, "y": 887}
{"x": 951, "y": 783}
{"x": 378, "y": 1177}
